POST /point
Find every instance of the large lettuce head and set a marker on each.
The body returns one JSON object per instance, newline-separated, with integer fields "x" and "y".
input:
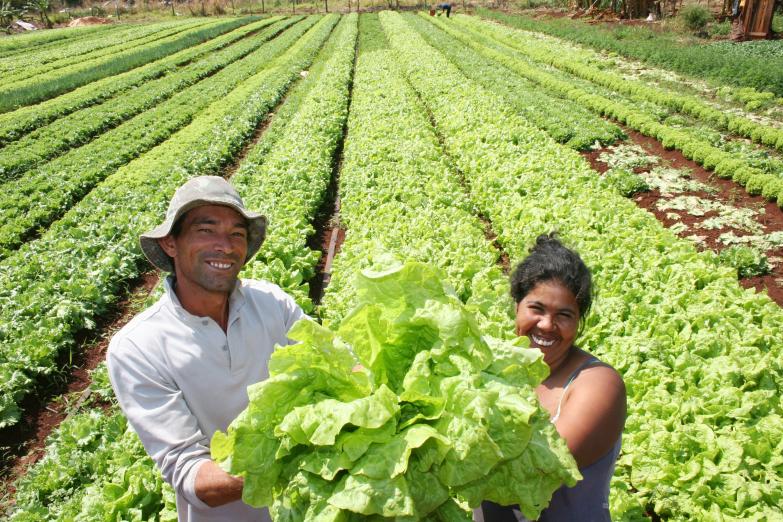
{"x": 405, "y": 412}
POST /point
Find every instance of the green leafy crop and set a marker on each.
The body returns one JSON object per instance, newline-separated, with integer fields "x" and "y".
{"x": 626, "y": 182}
{"x": 436, "y": 418}
{"x": 748, "y": 261}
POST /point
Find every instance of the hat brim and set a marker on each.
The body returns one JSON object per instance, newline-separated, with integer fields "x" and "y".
{"x": 256, "y": 233}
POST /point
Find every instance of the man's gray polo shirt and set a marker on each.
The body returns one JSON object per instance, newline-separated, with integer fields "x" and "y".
{"x": 179, "y": 378}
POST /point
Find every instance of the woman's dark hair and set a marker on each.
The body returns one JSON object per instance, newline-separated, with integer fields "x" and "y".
{"x": 549, "y": 260}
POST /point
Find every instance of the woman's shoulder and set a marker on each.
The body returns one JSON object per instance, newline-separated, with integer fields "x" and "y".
{"x": 598, "y": 390}
{"x": 595, "y": 375}
{"x": 592, "y": 368}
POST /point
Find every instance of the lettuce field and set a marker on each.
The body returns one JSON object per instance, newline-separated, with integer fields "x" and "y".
{"x": 374, "y": 139}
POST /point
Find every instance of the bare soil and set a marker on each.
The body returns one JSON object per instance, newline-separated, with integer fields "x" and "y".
{"x": 323, "y": 271}
{"x": 504, "y": 261}
{"x": 88, "y": 20}
{"x": 327, "y": 231}
{"x": 727, "y": 192}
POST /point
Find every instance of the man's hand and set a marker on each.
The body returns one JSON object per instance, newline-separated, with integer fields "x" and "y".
{"x": 215, "y": 487}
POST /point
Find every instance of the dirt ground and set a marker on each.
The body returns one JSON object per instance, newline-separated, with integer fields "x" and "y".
{"x": 88, "y": 20}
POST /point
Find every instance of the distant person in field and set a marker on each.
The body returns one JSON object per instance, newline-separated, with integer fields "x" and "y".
{"x": 181, "y": 368}
{"x": 585, "y": 397}
{"x": 445, "y": 7}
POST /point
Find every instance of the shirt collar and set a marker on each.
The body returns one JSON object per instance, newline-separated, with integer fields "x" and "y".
{"x": 235, "y": 301}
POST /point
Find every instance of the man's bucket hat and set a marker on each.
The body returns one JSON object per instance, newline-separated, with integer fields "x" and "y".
{"x": 203, "y": 190}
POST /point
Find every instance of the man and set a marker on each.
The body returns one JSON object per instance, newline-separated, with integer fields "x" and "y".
{"x": 181, "y": 368}
{"x": 445, "y": 7}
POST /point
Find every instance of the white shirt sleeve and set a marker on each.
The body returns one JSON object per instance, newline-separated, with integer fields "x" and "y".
{"x": 292, "y": 312}
{"x": 158, "y": 412}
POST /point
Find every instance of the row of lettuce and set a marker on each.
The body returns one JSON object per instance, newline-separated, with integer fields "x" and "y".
{"x": 399, "y": 196}
{"x": 82, "y": 71}
{"x": 700, "y": 356}
{"x": 714, "y": 62}
{"x": 289, "y": 175}
{"x": 564, "y": 120}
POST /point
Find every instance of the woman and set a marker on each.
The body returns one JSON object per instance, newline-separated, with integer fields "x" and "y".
{"x": 585, "y": 397}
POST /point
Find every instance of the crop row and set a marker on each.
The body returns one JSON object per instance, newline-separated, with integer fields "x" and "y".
{"x": 39, "y": 40}
{"x": 275, "y": 127}
{"x": 42, "y": 195}
{"x": 542, "y": 51}
{"x": 124, "y": 38}
{"x": 465, "y": 31}
{"x": 15, "y": 124}
{"x": 33, "y": 90}
{"x": 700, "y": 356}
{"x": 94, "y": 452}
{"x": 724, "y": 164}
{"x": 290, "y": 182}
{"x": 564, "y": 120}
{"x": 79, "y": 127}
{"x": 54, "y": 287}
{"x": 699, "y": 61}
{"x": 398, "y": 195}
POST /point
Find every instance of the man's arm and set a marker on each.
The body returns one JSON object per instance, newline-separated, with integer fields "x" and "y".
{"x": 215, "y": 487}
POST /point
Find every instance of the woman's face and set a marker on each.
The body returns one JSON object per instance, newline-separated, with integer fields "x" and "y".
{"x": 549, "y": 316}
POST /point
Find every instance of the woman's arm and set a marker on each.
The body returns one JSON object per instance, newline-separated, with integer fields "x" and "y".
{"x": 592, "y": 414}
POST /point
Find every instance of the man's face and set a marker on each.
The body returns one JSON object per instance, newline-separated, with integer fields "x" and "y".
{"x": 210, "y": 249}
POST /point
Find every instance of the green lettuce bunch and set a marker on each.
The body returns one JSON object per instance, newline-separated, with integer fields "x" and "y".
{"x": 437, "y": 418}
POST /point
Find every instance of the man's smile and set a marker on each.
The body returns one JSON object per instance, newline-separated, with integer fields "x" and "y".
{"x": 220, "y": 265}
